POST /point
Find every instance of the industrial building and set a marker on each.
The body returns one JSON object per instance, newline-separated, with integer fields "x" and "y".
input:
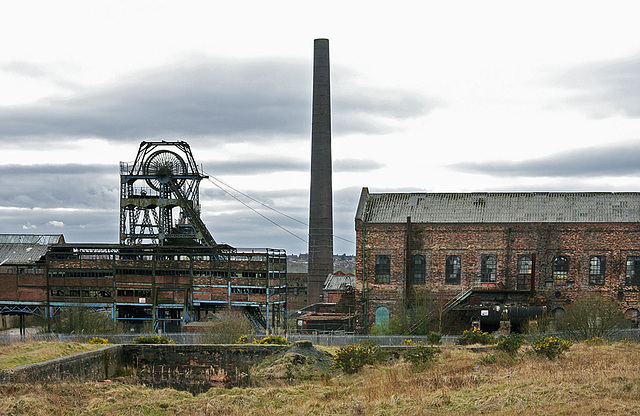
{"x": 485, "y": 255}
{"x": 167, "y": 270}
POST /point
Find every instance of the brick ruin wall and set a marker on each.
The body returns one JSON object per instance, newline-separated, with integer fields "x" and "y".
{"x": 88, "y": 366}
{"x": 577, "y": 241}
{"x": 180, "y": 366}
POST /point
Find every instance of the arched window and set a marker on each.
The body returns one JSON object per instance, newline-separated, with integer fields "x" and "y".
{"x": 488, "y": 269}
{"x": 382, "y": 318}
{"x": 525, "y": 265}
{"x": 383, "y": 269}
{"x": 596, "y": 270}
{"x": 633, "y": 271}
{"x": 560, "y": 269}
{"x": 452, "y": 270}
{"x": 418, "y": 269}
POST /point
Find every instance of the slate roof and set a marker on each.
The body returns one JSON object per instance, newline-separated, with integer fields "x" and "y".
{"x": 507, "y": 207}
{"x": 25, "y": 248}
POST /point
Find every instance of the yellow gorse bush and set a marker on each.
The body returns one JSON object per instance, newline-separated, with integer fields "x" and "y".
{"x": 272, "y": 339}
{"x": 551, "y": 347}
{"x": 476, "y": 336}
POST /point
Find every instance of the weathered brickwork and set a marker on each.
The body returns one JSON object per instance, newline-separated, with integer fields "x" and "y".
{"x": 507, "y": 242}
{"x": 179, "y": 366}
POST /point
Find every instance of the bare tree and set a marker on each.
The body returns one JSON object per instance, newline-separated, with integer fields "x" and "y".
{"x": 592, "y": 316}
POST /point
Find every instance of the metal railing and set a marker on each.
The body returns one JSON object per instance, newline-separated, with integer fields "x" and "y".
{"x": 324, "y": 339}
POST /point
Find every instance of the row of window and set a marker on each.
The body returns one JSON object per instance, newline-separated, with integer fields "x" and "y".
{"x": 80, "y": 293}
{"x": 21, "y": 270}
{"x": 489, "y": 268}
{"x": 149, "y": 272}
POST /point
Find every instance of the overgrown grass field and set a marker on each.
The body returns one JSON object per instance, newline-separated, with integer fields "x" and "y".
{"x": 586, "y": 380}
{"x": 35, "y": 352}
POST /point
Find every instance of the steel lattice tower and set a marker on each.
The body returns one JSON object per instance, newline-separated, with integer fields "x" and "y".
{"x": 160, "y": 197}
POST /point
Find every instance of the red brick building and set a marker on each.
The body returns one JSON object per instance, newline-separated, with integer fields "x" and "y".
{"x": 163, "y": 286}
{"x": 479, "y": 252}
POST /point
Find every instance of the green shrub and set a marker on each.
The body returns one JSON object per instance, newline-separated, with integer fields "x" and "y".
{"x": 433, "y": 338}
{"x": 152, "y": 339}
{"x": 351, "y": 358}
{"x": 421, "y": 355}
{"x": 272, "y": 339}
{"x": 551, "y": 347}
{"x": 476, "y": 336}
{"x": 510, "y": 343}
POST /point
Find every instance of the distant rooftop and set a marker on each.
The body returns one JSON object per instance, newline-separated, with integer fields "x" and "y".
{"x": 31, "y": 239}
{"x": 26, "y": 248}
{"x": 339, "y": 281}
{"x": 507, "y": 207}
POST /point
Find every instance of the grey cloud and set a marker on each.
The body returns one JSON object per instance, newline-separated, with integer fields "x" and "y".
{"x": 245, "y": 228}
{"x": 606, "y": 88}
{"x": 241, "y": 100}
{"x": 80, "y": 226}
{"x": 25, "y": 69}
{"x": 85, "y": 199}
{"x": 616, "y": 160}
{"x": 255, "y": 166}
{"x": 60, "y": 186}
{"x": 29, "y": 70}
{"x": 56, "y": 169}
{"x": 356, "y": 165}
{"x": 262, "y": 166}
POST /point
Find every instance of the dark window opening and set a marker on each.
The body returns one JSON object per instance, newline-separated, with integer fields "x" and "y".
{"x": 453, "y": 269}
{"x": 633, "y": 271}
{"x": 488, "y": 269}
{"x": 560, "y": 269}
{"x": 383, "y": 269}
{"x": 596, "y": 270}
{"x": 525, "y": 265}
{"x": 418, "y": 269}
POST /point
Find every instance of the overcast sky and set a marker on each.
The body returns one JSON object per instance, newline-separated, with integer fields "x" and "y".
{"x": 448, "y": 97}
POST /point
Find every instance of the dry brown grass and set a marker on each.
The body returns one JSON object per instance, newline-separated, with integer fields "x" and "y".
{"x": 587, "y": 380}
{"x": 35, "y": 352}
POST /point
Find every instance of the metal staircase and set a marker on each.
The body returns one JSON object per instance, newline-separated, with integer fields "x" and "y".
{"x": 201, "y": 230}
{"x": 255, "y": 316}
{"x": 452, "y": 303}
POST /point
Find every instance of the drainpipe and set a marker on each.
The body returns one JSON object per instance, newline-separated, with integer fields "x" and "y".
{"x": 407, "y": 260}
{"x": 532, "y": 286}
{"x": 365, "y": 280}
{"x": 507, "y": 268}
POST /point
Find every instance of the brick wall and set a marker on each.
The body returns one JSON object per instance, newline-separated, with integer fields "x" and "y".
{"x": 181, "y": 366}
{"x": 507, "y": 242}
{"x": 92, "y": 365}
{"x": 198, "y": 362}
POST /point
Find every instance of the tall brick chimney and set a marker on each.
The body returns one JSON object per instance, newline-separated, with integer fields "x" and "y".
{"x": 321, "y": 194}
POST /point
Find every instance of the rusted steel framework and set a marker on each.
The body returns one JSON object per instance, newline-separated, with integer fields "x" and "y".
{"x": 167, "y": 270}
{"x": 160, "y": 197}
{"x": 162, "y": 287}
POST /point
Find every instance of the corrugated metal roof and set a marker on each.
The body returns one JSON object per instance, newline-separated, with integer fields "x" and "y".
{"x": 46, "y": 239}
{"x": 339, "y": 281}
{"x": 21, "y": 253}
{"x": 25, "y": 248}
{"x": 508, "y": 207}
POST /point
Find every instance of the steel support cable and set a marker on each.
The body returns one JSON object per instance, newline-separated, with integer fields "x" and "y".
{"x": 258, "y": 202}
{"x": 263, "y": 204}
{"x": 254, "y": 210}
